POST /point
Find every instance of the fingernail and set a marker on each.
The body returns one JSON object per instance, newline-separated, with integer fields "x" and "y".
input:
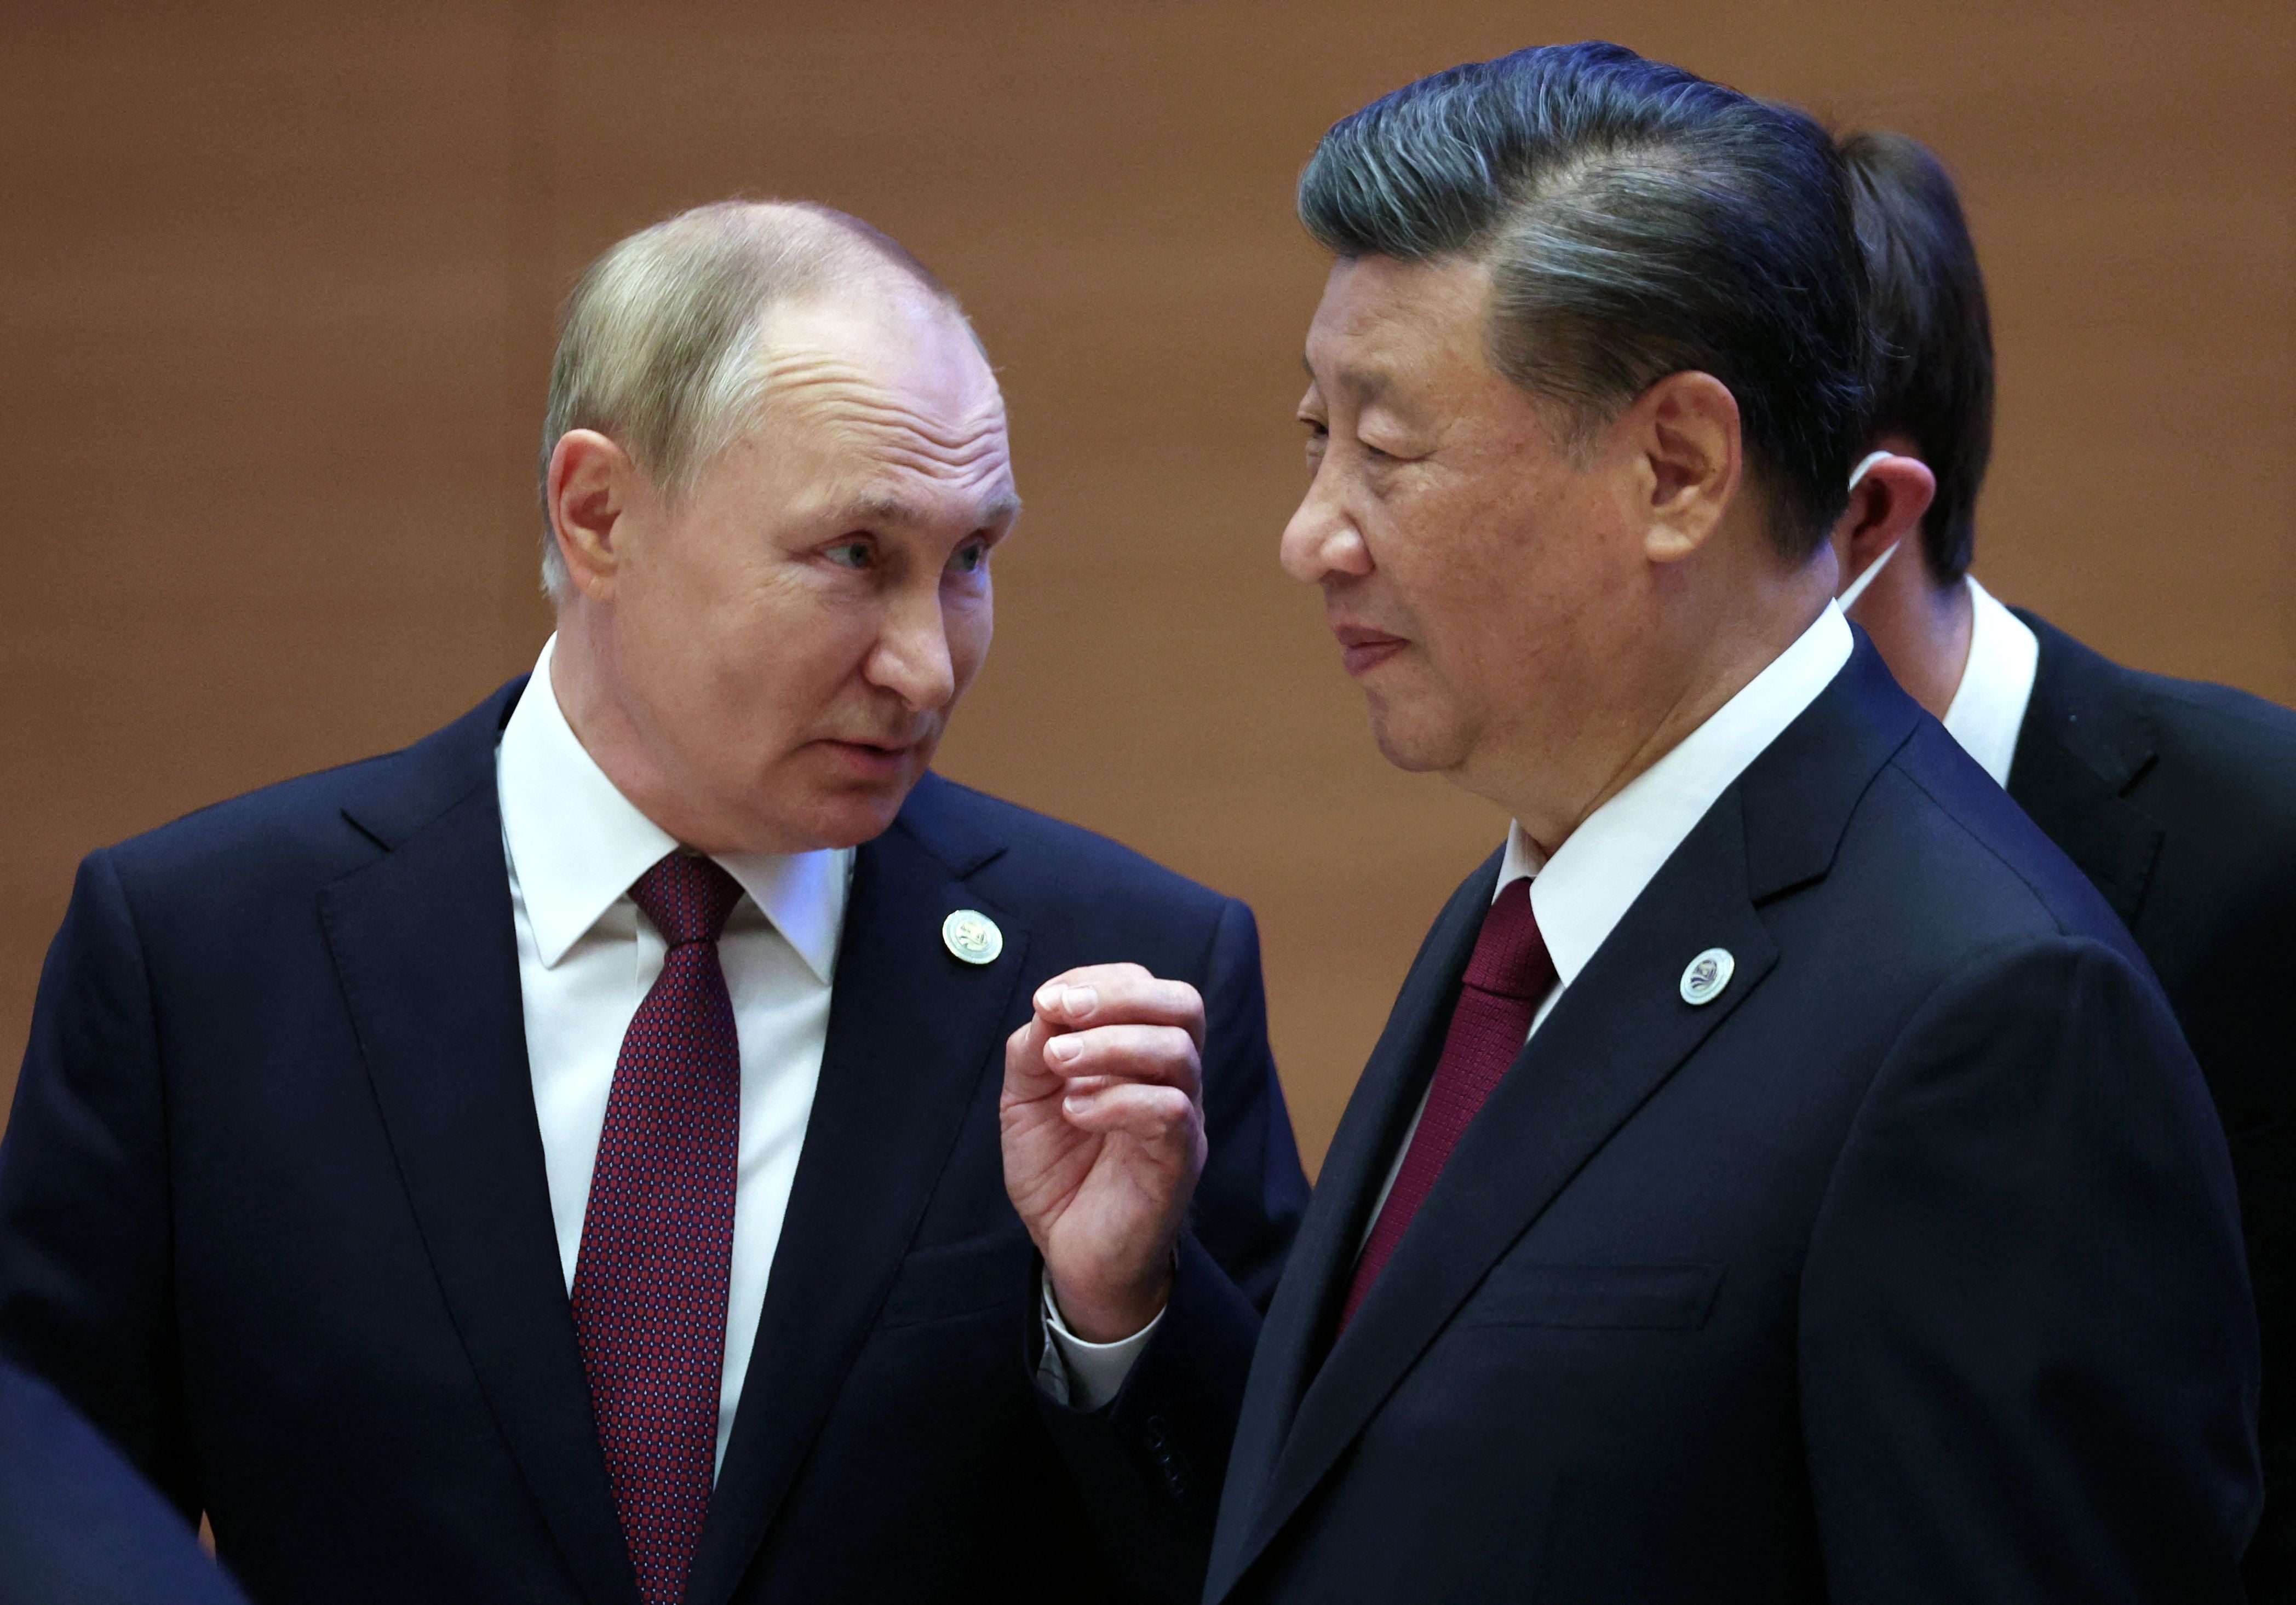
{"x": 1064, "y": 1048}
{"x": 1047, "y": 998}
{"x": 1081, "y": 1001}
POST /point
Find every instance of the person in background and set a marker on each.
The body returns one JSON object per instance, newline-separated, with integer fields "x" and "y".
{"x": 2176, "y": 799}
{"x": 1781, "y": 1178}
{"x": 559, "y": 1161}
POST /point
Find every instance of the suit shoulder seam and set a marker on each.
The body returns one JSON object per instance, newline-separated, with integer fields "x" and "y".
{"x": 1987, "y": 847}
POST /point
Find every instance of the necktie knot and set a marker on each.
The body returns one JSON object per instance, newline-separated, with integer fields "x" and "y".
{"x": 687, "y": 896}
{"x": 1511, "y": 958}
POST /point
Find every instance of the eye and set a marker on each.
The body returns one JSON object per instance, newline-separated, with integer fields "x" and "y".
{"x": 851, "y": 554}
{"x": 971, "y": 558}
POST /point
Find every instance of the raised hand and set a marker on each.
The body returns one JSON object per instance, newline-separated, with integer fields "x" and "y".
{"x": 1104, "y": 1128}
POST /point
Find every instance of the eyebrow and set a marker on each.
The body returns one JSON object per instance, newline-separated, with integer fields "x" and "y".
{"x": 1369, "y": 384}
{"x": 883, "y": 509}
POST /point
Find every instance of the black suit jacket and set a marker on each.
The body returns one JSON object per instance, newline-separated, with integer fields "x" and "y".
{"x": 78, "y": 1526}
{"x": 272, "y": 1208}
{"x": 2178, "y": 801}
{"x": 1906, "y": 1268}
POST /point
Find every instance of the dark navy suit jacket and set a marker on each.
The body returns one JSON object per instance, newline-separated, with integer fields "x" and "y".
{"x": 77, "y": 1526}
{"x": 2178, "y": 801}
{"x": 1906, "y": 1268}
{"x": 273, "y": 1210}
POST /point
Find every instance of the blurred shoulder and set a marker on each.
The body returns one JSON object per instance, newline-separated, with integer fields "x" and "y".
{"x": 2232, "y": 743}
{"x": 77, "y": 1523}
{"x": 2228, "y": 746}
{"x": 2208, "y": 769}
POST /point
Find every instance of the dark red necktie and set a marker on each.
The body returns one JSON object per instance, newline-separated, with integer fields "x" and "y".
{"x": 657, "y": 1237}
{"x": 1508, "y": 975}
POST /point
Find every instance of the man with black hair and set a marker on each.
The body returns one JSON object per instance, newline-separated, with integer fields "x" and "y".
{"x": 2176, "y": 799}
{"x": 1781, "y": 1178}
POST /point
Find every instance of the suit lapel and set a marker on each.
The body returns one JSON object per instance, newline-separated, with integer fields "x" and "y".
{"x": 1615, "y": 1036}
{"x": 2079, "y": 751}
{"x": 1306, "y": 1297}
{"x": 424, "y": 946}
{"x": 912, "y": 1032}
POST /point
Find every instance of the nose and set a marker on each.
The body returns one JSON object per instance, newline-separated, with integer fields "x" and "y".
{"x": 912, "y": 658}
{"x": 1323, "y": 541}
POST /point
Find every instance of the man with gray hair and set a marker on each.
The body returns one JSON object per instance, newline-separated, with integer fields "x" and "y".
{"x": 559, "y": 1161}
{"x": 1781, "y": 1178}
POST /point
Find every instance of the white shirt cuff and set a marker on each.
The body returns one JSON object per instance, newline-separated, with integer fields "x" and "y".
{"x": 1085, "y": 1376}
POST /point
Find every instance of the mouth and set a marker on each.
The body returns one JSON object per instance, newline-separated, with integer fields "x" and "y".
{"x": 874, "y": 761}
{"x": 1363, "y": 650}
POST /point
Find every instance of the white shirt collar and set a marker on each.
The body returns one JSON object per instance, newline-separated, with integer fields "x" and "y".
{"x": 577, "y": 844}
{"x": 1988, "y": 706}
{"x": 1585, "y": 889}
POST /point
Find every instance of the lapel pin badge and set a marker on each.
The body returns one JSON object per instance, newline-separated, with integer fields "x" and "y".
{"x": 1708, "y": 974}
{"x": 974, "y": 937}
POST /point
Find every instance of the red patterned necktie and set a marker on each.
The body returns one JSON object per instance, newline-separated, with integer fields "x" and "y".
{"x": 1508, "y": 975}
{"x": 657, "y": 1237}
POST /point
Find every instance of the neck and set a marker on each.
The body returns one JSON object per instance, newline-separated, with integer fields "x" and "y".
{"x": 1720, "y": 652}
{"x": 1921, "y": 628}
{"x": 613, "y": 730}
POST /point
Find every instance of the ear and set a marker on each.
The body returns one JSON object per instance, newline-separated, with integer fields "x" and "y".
{"x": 591, "y": 486}
{"x": 1886, "y": 508}
{"x": 1685, "y": 430}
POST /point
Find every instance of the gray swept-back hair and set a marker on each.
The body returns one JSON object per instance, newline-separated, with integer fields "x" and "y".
{"x": 658, "y": 345}
{"x": 1637, "y": 221}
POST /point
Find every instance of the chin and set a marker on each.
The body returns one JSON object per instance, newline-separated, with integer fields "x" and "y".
{"x": 852, "y": 818}
{"x": 816, "y": 803}
{"x": 1417, "y": 746}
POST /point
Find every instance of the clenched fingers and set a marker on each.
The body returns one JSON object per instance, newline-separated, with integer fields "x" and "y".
{"x": 1026, "y": 1074}
{"x": 1109, "y": 995}
{"x": 1151, "y": 1114}
{"x": 1154, "y": 1055}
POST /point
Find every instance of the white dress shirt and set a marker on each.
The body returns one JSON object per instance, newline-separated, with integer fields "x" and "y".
{"x": 1578, "y": 896}
{"x": 1988, "y": 706}
{"x": 587, "y": 959}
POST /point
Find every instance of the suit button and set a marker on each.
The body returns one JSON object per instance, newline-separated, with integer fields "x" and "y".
{"x": 1170, "y": 1462}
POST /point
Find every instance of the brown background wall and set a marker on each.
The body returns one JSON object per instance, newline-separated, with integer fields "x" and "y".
{"x": 276, "y": 299}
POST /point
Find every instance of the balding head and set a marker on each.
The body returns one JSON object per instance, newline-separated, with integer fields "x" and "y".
{"x": 775, "y": 469}
{"x": 660, "y": 347}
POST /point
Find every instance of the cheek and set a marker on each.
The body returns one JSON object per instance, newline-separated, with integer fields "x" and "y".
{"x": 1441, "y": 586}
{"x": 971, "y": 623}
{"x": 780, "y": 655}
{"x": 1481, "y": 593}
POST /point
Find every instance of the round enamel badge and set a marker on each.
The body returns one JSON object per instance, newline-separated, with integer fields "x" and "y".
{"x": 973, "y": 936}
{"x": 1708, "y": 974}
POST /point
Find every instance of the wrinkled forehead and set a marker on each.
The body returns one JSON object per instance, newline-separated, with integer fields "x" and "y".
{"x": 894, "y": 405}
